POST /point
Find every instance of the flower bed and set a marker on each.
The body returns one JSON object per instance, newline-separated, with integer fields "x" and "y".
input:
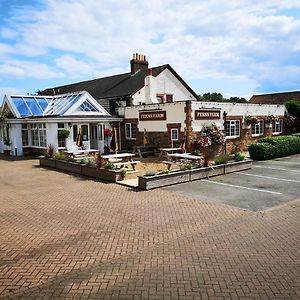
{"x": 175, "y": 177}
{"x": 104, "y": 174}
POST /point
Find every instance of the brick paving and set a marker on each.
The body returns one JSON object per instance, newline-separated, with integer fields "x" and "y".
{"x": 67, "y": 237}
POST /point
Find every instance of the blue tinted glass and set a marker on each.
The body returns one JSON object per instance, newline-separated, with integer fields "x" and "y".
{"x": 42, "y": 102}
{"x": 33, "y": 106}
{"x": 21, "y": 107}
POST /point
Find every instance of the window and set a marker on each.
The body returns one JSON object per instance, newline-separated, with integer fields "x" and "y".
{"x": 232, "y": 128}
{"x": 160, "y": 98}
{"x": 61, "y": 141}
{"x": 130, "y": 131}
{"x": 25, "y": 136}
{"x": 169, "y": 98}
{"x": 174, "y": 134}
{"x": 277, "y": 126}
{"x": 87, "y": 106}
{"x": 38, "y": 135}
{"x": 75, "y": 132}
{"x": 85, "y": 132}
{"x": 258, "y": 128}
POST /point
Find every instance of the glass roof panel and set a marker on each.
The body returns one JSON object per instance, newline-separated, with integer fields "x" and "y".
{"x": 62, "y": 103}
{"x": 43, "y": 102}
{"x": 33, "y": 106}
{"x": 21, "y": 106}
{"x": 87, "y": 106}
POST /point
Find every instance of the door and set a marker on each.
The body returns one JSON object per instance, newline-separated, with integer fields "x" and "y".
{"x": 94, "y": 136}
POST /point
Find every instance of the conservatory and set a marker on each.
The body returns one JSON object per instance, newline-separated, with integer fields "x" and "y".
{"x": 30, "y": 123}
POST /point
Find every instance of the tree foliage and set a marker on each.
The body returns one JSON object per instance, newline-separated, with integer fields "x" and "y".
{"x": 218, "y": 97}
{"x": 293, "y": 108}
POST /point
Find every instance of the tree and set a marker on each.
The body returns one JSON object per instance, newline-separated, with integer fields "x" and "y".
{"x": 237, "y": 100}
{"x": 212, "y": 97}
{"x": 293, "y": 108}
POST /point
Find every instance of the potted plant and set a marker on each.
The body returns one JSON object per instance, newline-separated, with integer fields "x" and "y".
{"x": 63, "y": 133}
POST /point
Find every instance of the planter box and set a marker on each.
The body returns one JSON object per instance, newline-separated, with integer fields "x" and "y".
{"x": 238, "y": 166}
{"x": 110, "y": 175}
{"x": 89, "y": 171}
{"x": 47, "y": 162}
{"x": 152, "y": 182}
{"x": 68, "y": 166}
{"x": 207, "y": 172}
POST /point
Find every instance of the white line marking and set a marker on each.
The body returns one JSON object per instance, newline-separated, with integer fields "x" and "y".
{"x": 279, "y": 169}
{"x": 241, "y": 187}
{"x": 269, "y": 177}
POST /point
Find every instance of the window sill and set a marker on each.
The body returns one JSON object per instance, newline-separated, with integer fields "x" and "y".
{"x": 257, "y": 135}
{"x": 232, "y": 137}
{"x": 276, "y": 133}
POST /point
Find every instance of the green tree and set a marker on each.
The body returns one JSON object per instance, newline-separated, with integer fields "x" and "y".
{"x": 293, "y": 108}
{"x": 237, "y": 100}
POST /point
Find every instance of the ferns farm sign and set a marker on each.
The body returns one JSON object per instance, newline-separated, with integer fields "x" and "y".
{"x": 205, "y": 114}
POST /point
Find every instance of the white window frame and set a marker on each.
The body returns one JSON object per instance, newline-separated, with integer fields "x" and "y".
{"x": 258, "y": 128}
{"x": 176, "y": 131}
{"x": 130, "y": 136}
{"x": 25, "y": 134}
{"x": 278, "y": 124}
{"x": 235, "y": 127}
{"x": 41, "y": 135}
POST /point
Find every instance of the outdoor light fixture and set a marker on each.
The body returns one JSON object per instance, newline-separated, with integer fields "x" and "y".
{"x": 70, "y": 124}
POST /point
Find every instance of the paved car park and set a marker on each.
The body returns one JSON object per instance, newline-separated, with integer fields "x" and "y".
{"x": 68, "y": 237}
{"x": 267, "y": 184}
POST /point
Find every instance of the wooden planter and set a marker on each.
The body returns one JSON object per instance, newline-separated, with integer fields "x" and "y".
{"x": 7, "y": 152}
{"x": 152, "y": 182}
{"x": 107, "y": 175}
{"x": 68, "y": 166}
{"x": 207, "y": 172}
{"x": 238, "y": 166}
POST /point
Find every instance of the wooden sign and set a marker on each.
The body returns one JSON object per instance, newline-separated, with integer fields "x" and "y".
{"x": 158, "y": 115}
{"x": 207, "y": 114}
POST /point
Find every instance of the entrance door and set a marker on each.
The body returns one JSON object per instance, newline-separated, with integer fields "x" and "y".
{"x": 93, "y": 136}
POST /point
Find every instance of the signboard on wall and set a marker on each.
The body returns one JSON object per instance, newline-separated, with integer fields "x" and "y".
{"x": 205, "y": 114}
{"x": 157, "y": 115}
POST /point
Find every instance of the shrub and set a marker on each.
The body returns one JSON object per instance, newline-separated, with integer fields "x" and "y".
{"x": 239, "y": 156}
{"x": 293, "y": 108}
{"x": 83, "y": 161}
{"x": 63, "y": 133}
{"x": 151, "y": 173}
{"x": 50, "y": 151}
{"x": 109, "y": 166}
{"x": 196, "y": 152}
{"x": 222, "y": 159}
{"x": 60, "y": 156}
{"x": 272, "y": 147}
{"x": 184, "y": 167}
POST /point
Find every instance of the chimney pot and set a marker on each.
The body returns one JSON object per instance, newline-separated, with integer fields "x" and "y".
{"x": 138, "y": 63}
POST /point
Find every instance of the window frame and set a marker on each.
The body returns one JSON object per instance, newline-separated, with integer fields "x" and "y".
{"x": 177, "y": 134}
{"x": 38, "y": 135}
{"x": 257, "y": 129}
{"x": 280, "y": 122}
{"x": 132, "y": 133}
{"x": 236, "y": 123}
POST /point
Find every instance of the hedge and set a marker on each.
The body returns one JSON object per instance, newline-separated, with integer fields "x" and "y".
{"x": 272, "y": 147}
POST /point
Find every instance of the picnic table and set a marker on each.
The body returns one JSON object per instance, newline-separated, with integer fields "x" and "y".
{"x": 120, "y": 160}
{"x": 176, "y": 158}
{"x": 78, "y": 153}
{"x": 165, "y": 152}
{"x": 141, "y": 150}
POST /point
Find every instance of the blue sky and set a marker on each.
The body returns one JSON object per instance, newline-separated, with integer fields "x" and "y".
{"x": 239, "y": 48}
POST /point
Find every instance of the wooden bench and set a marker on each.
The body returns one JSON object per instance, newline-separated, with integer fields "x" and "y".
{"x": 142, "y": 150}
{"x": 168, "y": 163}
{"x": 121, "y": 164}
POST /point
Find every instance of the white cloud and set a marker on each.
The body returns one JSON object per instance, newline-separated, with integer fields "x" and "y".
{"x": 21, "y": 68}
{"x": 9, "y": 91}
{"x": 236, "y": 40}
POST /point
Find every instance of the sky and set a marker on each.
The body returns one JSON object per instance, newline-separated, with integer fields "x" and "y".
{"x": 236, "y": 47}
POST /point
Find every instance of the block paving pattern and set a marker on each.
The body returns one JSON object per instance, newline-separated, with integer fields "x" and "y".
{"x": 67, "y": 237}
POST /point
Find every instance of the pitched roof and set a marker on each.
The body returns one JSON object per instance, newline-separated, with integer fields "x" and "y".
{"x": 275, "y": 98}
{"x": 114, "y": 86}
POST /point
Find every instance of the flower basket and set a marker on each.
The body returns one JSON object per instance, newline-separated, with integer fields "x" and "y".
{"x": 107, "y": 132}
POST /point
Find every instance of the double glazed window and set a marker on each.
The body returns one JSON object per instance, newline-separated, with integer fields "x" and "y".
{"x": 130, "y": 131}
{"x": 38, "y": 135}
{"x": 61, "y": 141}
{"x": 258, "y": 128}
{"x": 232, "y": 128}
{"x": 277, "y": 126}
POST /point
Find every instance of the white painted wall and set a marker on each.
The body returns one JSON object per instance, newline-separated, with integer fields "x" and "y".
{"x": 174, "y": 114}
{"x": 238, "y": 109}
{"x": 16, "y": 139}
{"x": 166, "y": 83}
{"x": 51, "y": 131}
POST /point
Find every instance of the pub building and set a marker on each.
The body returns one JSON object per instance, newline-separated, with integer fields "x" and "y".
{"x": 166, "y": 124}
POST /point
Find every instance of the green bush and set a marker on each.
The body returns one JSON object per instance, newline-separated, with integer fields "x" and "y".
{"x": 60, "y": 156}
{"x": 293, "y": 108}
{"x": 109, "y": 166}
{"x": 239, "y": 156}
{"x": 272, "y": 147}
{"x": 222, "y": 159}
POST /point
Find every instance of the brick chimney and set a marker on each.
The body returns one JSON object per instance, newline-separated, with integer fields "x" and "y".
{"x": 138, "y": 63}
